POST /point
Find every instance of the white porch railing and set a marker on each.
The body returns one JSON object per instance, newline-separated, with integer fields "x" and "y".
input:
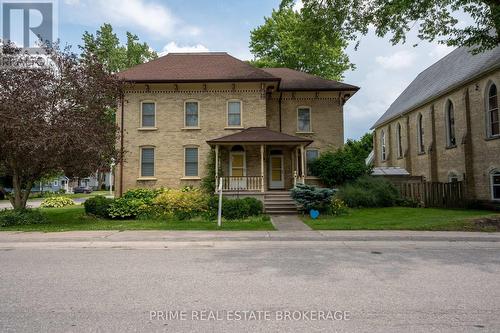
{"x": 244, "y": 183}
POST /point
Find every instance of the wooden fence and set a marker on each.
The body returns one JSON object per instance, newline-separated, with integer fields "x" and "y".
{"x": 446, "y": 195}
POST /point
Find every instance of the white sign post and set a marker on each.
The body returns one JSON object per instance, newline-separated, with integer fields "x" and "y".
{"x": 219, "y": 211}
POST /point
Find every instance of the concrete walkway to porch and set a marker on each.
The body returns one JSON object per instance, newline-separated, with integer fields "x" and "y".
{"x": 288, "y": 223}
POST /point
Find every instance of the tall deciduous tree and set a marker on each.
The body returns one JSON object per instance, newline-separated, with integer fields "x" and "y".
{"x": 289, "y": 39}
{"x": 55, "y": 117}
{"x": 105, "y": 45}
{"x": 435, "y": 20}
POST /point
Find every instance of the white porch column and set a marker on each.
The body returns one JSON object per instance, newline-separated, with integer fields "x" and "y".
{"x": 216, "y": 167}
{"x": 302, "y": 162}
{"x": 262, "y": 167}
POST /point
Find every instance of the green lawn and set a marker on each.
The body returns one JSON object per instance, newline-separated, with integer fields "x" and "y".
{"x": 402, "y": 218}
{"x": 74, "y": 218}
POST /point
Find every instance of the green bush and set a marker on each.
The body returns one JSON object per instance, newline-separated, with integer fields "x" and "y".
{"x": 182, "y": 204}
{"x": 98, "y": 206}
{"x": 369, "y": 191}
{"x": 312, "y": 197}
{"x": 234, "y": 209}
{"x": 337, "y": 207}
{"x": 123, "y": 208}
{"x": 10, "y": 217}
{"x": 145, "y": 194}
{"x": 346, "y": 164}
{"x": 255, "y": 206}
{"x": 56, "y": 202}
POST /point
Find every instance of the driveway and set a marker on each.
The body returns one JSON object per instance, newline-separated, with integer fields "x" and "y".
{"x": 380, "y": 286}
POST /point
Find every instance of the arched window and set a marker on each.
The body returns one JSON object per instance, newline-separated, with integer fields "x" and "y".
{"x": 450, "y": 124}
{"x": 420, "y": 133}
{"x": 495, "y": 184}
{"x": 383, "y": 146}
{"x": 493, "y": 120}
{"x": 399, "y": 138}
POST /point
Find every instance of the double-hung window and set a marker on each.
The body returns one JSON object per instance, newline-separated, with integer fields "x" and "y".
{"x": 311, "y": 156}
{"x": 147, "y": 162}
{"x": 234, "y": 113}
{"x": 148, "y": 114}
{"x": 191, "y": 162}
{"x": 304, "y": 119}
{"x": 191, "y": 114}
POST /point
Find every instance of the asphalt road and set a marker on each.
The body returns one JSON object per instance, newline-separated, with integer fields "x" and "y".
{"x": 378, "y": 287}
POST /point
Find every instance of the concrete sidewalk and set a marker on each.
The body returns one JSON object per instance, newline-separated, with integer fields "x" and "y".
{"x": 220, "y": 236}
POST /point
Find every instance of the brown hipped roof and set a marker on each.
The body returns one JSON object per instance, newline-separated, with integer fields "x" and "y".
{"x": 221, "y": 67}
{"x": 292, "y": 80}
{"x": 195, "y": 67}
{"x": 259, "y": 134}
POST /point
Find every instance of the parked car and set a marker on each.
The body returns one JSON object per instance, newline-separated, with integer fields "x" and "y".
{"x": 82, "y": 189}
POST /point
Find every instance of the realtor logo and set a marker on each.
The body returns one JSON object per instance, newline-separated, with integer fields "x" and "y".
{"x": 28, "y": 23}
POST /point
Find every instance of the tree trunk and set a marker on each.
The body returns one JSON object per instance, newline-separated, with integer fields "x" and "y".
{"x": 20, "y": 195}
{"x": 100, "y": 179}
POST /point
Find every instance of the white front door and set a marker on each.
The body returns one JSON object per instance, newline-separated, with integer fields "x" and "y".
{"x": 276, "y": 179}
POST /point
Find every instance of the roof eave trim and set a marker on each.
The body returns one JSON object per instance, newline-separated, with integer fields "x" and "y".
{"x": 320, "y": 89}
{"x": 204, "y": 80}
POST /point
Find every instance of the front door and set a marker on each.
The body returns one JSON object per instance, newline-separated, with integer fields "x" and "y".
{"x": 276, "y": 180}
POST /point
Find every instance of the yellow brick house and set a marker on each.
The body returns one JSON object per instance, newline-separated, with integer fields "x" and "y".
{"x": 265, "y": 125}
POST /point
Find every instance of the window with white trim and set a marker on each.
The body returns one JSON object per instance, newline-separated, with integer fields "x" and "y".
{"x": 148, "y": 114}
{"x": 304, "y": 119}
{"x": 493, "y": 113}
{"x": 420, "y": 133}
{"x": 147, "y": 162}
{"x": 450, "y": 124}
{"x": 234, "y": 113}
{"x": 495, "y": 185}
{"x": 383, "y": 147}
{"x": 191, "y": 117}
{"x": 311, "y": 156}
{"x": 191, "y": 162}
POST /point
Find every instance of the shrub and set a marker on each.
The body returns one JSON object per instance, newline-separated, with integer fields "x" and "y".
{"x": 343, "y": 165}
{"x": 337, "y": 207}
{"x": 145, "y": 194}
{"x": 10, "y": 217}
{"x": 233, "y": 209}
{"x": 312, "y": 197}
{"x": 182, "y": 204}
{"x": 56, "y": 202}
{"x": 126, "y": 208}
{"x": 98, "y": 206}
{"x": 369, "y": 191}
{"x": 255, "y": 206}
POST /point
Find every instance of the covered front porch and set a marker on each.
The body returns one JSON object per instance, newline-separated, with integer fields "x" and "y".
{"x": 259, "y": 160}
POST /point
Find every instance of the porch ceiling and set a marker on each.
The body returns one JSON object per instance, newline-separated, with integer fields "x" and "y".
{"x": 259, "y": 135}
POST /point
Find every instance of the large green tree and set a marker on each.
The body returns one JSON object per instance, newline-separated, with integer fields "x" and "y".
{"x": 105, "y": 46}
{"x": 336, "y": 167}
{"x": 434, "y": 20}
{"x": 290, "y": 39}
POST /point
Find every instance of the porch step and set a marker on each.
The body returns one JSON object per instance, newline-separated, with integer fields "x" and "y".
{"x": 279, "y": 203}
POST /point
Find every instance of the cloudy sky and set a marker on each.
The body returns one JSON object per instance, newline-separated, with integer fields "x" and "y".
{"x": 382, "y": 72}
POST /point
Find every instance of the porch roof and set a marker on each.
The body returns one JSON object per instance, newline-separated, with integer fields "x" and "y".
{"x": 260, "y": 135}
